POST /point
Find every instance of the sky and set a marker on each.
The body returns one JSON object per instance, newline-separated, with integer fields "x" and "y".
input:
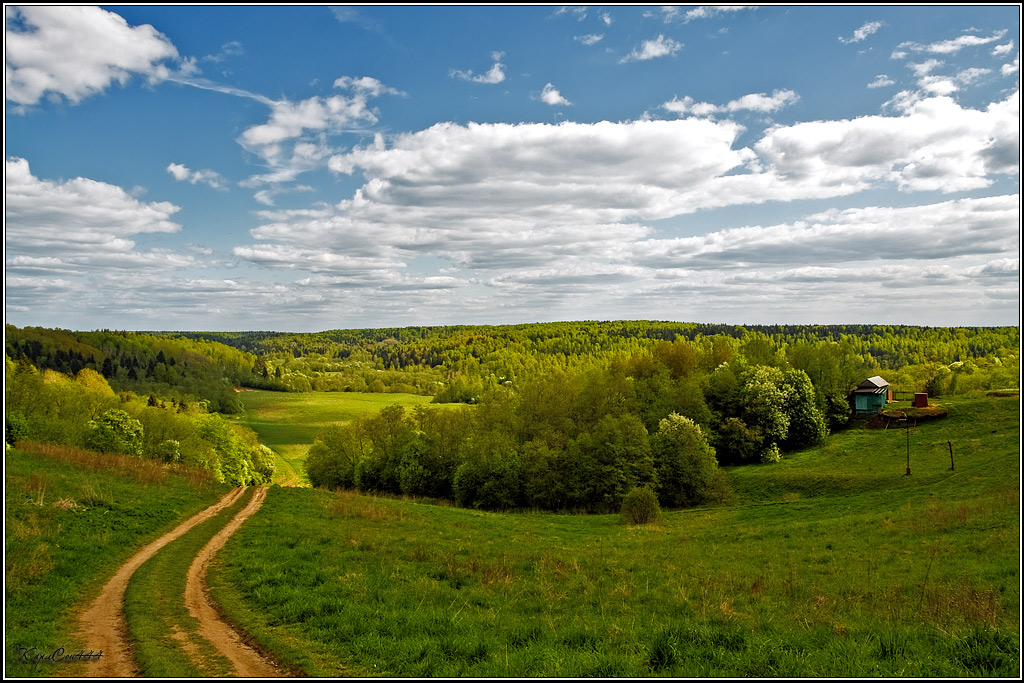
{"x": 322, "y": 167}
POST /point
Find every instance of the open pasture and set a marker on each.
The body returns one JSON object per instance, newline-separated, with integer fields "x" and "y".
{"x": 288, "y": 422}
{"x": 831, "y": 563}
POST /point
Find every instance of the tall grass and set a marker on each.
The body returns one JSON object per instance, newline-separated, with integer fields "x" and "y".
{"x": 831, "y": 563}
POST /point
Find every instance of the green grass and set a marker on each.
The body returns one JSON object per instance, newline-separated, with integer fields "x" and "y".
{"x": 167, "y": 640}
{"x": 288, "y": 422}
{"x": 72, "y": 517}
{"x": 830, "y": 563}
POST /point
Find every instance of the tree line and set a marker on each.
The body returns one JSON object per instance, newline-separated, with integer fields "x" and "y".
{"x": 83, "y": 411}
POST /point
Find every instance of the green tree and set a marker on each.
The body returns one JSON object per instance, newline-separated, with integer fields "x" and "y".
{"x": 807, "y": 425}
{"x": 685, "y": 463}
{"x": 115, "y": 431}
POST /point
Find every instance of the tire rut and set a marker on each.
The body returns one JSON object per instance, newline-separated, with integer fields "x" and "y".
{"x": 103, "y": 626}
{"x": 248, "y": 663}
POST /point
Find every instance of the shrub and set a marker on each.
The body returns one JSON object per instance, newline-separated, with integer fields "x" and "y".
{"x": 115, "y": 431}
{"x": 640, "y": 506}
{"x": 15, "y": 427}
{"x": 168, "y": 450}
{"x": 771, "y": 454}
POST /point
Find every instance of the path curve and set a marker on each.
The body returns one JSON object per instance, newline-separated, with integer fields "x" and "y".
{"x": 248, "y": 662}
{"x": 102, "y": 625}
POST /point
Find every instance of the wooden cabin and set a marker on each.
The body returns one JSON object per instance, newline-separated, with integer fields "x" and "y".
{"x": 870, "y": 396}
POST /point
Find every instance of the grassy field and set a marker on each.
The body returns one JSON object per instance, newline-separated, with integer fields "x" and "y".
{"x": 831, "y": 563}
{"x": 71, "y": 518}
{"x": 288, "y": 422}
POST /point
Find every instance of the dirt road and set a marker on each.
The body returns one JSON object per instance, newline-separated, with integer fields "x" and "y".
{"x": 248, "y": 663}
{"x": 103, "y": 627}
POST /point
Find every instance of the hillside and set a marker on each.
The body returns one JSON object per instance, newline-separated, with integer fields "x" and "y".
{"x": 830, "y": 563}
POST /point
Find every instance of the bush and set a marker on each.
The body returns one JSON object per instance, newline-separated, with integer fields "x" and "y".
{"x": 640, "y": 506}
{"x": 115, "y": 431}
{"x": 15, "y": 427}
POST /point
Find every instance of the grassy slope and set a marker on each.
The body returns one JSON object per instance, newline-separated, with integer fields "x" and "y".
{"x": 288, "y": 422}
{"x": 68, "y": 528}
{"x": 831, "y": 563}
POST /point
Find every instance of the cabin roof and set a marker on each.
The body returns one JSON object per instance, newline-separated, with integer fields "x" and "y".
{"x": 872, "y": 385}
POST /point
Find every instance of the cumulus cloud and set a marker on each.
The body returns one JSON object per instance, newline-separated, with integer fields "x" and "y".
{"x": 81, "y": 224}
{"x": 205, "y": 176}
{"x": 1011, "y": 68}
{"x": 934, "y": 145}
{"x": 550, "y": 95}
{"x": 77, "y": 51}
{"x": 881, "y": 81}
{"x": 553, "y": 214}
{"x": 1000, "y": 50}
{"x": 292, "y": 140}
{"x": 652, "y": 49}
{"x": 494, "y": 75}
{"x": 589, "y": 39}
{"x": 863, "y": 32}
{"x": 758, "y": 102}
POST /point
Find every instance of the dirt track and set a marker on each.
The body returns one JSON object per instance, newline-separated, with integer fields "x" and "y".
{"x": 103, "y": 626}
{"x": 247, "y": 662}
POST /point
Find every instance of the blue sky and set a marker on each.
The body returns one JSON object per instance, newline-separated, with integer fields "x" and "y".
{"x": 312, "y": 168}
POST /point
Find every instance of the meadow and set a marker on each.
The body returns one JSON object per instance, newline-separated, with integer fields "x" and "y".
{"x": 288, "y": 422}
{"x": 833, "y": 562}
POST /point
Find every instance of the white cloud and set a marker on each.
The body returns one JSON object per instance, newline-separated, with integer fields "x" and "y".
{"x": 579, "y": 10}
{"x": 705, "y": 11}
{"x": 292, "y": 141}
{"x": 935, "y": 145}
{"x": 556, "y": 215}
{"x": 230, "y": 49}
{"x": 758, "y": 102}
{"x": 1011, "y": 68}
{"x": 81, "y": 225}
{"x": 550, "y": 95}
{"x": 589, "y": 39}
{"x": 206, "y": 176}
{"x": 925, "y": 67}
{"x": 952, "y": 46}
{"x": 606, "y": 17}
{"x": 881, "y": 81}
{"x": 1000, "y": 50}
{"x": 764, "y": 103}
{"x": 863, "y": 32}
{"x": 937, "y": 231}
{"x": 652, "y": 49}
{"x": 495, "y": 75}
{"x": 77, "y": 51}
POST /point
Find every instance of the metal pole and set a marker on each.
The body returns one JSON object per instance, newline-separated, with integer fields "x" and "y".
{"x": 908, "y": 449}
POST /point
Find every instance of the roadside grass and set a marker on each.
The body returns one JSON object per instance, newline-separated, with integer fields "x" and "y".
{"x": 830, "y": 563}
{"x": 288, "y": 422}
{"x": 71, "y": 518}
{"x": 167, "y": 640}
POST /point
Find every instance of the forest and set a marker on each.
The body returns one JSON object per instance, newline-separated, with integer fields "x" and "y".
{"x": 558, "y": 416}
